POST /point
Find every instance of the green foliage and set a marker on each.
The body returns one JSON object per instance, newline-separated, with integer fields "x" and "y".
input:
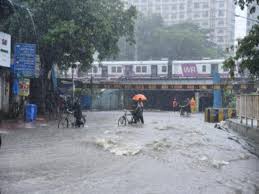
{"x": 156, "y": 41}
{"x": 230, "y": 64}
{"x": 6, "y": 9}
{"x": 247, "y": 54}
{"x": 243, "y": 3}
{"x": 229, "y": 99}
{"x": 79, "y": 28}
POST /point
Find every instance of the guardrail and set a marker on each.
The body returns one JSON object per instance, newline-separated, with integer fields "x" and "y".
{"x": 248, "y": 108}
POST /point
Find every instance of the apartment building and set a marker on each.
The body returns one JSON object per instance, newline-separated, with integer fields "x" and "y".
{"x": 218, "y": 16}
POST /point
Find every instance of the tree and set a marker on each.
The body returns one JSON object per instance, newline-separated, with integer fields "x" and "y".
{"x": 243, "y": 3}
{"x": 145, "y": 29}
{"x": 78, "y": 28}
{"x": 186, "y": 41}
{"x": 247, "y": 54}
{"x": 154, "y": 40}
{"x": 69, "y": 31}
{"x": 6, "y": 9}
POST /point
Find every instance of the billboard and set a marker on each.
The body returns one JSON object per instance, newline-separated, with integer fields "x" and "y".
{"x": 25, "y": 59}
{"x": 24, "y": 87}
{"x": 5, "y": 50}
{"x": 189, "y": 70}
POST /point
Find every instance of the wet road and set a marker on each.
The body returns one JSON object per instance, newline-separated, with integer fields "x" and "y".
{"x": 169, "y": 154}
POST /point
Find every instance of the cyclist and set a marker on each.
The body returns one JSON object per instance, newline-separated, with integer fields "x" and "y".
{"x": 78, "y": 114}
{"x": 139, "y": 111}
{"x": 188, "y": 106}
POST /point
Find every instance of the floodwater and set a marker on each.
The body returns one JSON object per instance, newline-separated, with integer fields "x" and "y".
{"x": 169, "y": 154}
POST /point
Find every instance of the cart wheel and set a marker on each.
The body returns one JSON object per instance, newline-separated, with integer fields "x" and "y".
{"x": 63, "y": 123}
{"x": 122, "y": 121}
{"x": 83, "y": 120}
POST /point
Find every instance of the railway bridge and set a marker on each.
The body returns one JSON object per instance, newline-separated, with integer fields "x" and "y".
{"x": 160, "y": 92}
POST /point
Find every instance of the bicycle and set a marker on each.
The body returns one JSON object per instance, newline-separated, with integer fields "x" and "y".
{"x": 15, "y": 109}
{"x": 183, "y": 111}
{"x": 68, "y": 120}
{"x": 126, "y": 118}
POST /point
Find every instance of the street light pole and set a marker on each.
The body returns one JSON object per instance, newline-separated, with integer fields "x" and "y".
{"x": 74, "y": 65}
{"x": 73, "y": 85}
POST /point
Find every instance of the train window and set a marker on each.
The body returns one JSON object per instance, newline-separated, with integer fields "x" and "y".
{"x": 204, "y": 68}
{"x": 119, "y": 69}
{"x": 144, "y": 69}
{"x": 113, "y": 69}
{"x": 138, "y": 69}
{"x": 164, "y": 69}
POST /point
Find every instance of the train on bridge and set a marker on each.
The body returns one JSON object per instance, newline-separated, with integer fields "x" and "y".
{"x": 157, "y": 69}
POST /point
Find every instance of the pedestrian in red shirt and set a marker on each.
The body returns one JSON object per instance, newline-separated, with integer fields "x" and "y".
{"x": 175, "y": 104}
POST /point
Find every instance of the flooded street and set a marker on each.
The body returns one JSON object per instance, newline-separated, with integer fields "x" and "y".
{"x": 168, "y": 154}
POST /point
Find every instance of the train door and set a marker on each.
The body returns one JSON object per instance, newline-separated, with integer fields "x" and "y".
{"x": 214, "y": 68}
{"x": 154, "y": 71}
{"x": 104, "y": 71}
{"x": 128, "y": 70}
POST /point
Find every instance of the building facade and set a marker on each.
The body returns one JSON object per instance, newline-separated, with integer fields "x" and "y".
{"x": 5, "y": 62}
{"x": 218, "y": 16}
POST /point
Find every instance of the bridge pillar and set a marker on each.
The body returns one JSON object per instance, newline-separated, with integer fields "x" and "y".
{"x": 217, "y": 93}
{"x": 122, "y": 99}
{"x": 197, "y": 99}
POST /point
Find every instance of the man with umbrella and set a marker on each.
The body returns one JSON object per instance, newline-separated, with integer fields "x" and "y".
{"x": 138, "y": 113}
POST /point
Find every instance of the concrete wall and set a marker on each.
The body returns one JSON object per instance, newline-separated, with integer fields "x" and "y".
{"x": 107, "y": 100}
{"x": 249, "y": 133}
{"x": 157, "y": 99}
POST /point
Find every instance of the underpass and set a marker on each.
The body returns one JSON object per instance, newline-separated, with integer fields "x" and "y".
{"x": 117, "y": 94}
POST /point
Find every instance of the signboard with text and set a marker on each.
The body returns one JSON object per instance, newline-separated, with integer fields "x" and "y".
{"x": 5, "y": 50}
{"x": 189, "y": 70}
{"x": 25, "y": 59}
{"x": 24, "y": 87}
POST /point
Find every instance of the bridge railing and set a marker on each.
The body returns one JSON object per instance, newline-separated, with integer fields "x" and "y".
{"x": 248, "y": 108}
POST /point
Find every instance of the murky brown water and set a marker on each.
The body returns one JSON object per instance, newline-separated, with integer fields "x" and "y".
{"x": 169, "y": 154}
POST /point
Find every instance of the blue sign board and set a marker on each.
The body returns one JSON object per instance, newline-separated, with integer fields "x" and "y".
{"x": 15, "y": 87}
{"x": 25, "y": 59}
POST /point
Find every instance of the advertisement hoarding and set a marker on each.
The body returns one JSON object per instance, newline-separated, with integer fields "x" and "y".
{"x": 5, "y": 50}
{"x": 24, "y": 87}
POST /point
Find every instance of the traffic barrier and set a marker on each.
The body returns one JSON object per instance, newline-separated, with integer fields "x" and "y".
{"x": 215, "y": 115}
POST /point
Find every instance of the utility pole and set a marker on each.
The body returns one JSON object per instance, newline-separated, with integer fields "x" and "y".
{"x": 74, "y": 66}
{"x": 73, "y": 85}
{"x": 169, "y": 68}
{"x": 91, "y": 89}
{"x": 249, "y": 19}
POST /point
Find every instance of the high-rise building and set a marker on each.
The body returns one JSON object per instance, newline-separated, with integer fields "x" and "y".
{"x": 252, "y": 18}
{"x": 218, "y": 16}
